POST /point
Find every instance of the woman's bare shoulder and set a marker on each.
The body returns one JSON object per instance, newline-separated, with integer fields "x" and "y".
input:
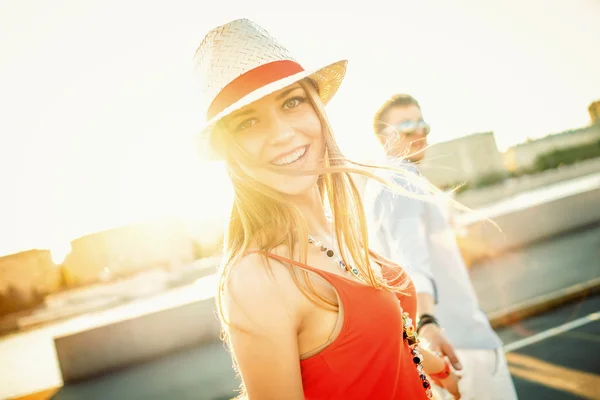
{"x": 260, "y": 288}
{"x": 258, "y": 268}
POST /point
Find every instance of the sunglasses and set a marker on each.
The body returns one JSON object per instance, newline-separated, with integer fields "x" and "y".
{"x": 407, "y": 128}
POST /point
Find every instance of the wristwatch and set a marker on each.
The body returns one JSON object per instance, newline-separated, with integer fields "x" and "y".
{"x": 425, "y": 319}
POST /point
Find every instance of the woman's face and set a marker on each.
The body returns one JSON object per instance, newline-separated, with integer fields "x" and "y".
{"x": 281, "y": 131}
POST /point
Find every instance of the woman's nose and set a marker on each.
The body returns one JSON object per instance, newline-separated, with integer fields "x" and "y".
{"x": 282, "y": 133}
{"x": 282, "y": 137}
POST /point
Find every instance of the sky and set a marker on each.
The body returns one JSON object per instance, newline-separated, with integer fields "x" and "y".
{"x": 99, "y": 103}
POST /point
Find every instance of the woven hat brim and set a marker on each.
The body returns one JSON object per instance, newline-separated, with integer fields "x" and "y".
{"x": 328, "y": 80}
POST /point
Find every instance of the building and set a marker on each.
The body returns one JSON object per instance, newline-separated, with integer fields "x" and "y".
{"x": 25, "y": 278}
{"x": 466, "y": 159}
{"x": 594, "y": 110}
{"x": 126, "y": 250}
{"x": 523, "y": 156}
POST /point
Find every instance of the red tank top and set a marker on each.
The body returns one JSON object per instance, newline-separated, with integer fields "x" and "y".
{"x": 369, "y": 360}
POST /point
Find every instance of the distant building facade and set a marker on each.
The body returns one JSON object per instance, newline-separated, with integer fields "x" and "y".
{"x": 594, "y": 110}
{"x": 126, "y": 250}
{"x": 468, "y": 158}
{"x": 25, "y": 277}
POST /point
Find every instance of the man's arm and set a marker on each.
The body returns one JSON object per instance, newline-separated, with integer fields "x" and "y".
{"x": 402, "y": 221}
{"x": 425, "y": 304}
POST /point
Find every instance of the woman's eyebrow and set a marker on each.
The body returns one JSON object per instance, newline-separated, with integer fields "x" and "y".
{"x": 286, "y": 92}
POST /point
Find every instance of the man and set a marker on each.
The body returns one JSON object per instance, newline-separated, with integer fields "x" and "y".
{"x": 415, "y": 232}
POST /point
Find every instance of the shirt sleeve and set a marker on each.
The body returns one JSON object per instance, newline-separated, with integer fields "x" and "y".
{"x": 401, "y": 221}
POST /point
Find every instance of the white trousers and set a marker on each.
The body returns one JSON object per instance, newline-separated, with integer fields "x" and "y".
{"x": 485, "y": 376}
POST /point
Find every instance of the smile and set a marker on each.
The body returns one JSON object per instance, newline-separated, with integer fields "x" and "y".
{"x": 290, "y": 158}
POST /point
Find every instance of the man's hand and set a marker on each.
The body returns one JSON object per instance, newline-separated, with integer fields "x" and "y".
{"x": 437, "y": 342}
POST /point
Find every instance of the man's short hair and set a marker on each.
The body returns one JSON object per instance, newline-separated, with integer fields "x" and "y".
{"x": 397, "y": 100}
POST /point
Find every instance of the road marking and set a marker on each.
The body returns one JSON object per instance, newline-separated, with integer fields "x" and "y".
{"x": 552, "y": 332}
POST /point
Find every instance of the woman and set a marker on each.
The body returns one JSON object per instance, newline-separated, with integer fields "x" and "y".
{"x": 308, "y": 311}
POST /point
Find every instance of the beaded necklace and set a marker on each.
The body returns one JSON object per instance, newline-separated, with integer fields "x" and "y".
{"x": 409, "y": 333}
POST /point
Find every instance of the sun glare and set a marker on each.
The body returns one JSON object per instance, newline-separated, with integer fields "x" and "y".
{"x": 209, "y": 193}
{"x": 59, "y": 252}
{"x": 165, "y": 178}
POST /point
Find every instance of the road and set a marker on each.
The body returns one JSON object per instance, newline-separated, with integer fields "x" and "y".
{"x": 557, "y": 355}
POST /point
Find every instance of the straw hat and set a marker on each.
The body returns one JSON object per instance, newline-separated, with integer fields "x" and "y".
{"x": 239, "y": 63}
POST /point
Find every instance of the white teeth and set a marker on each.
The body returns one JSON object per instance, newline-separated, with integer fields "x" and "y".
{"x": 290, "y": 158}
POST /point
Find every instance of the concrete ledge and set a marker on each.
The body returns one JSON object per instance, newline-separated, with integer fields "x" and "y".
{"x": 543, "y": 303}
{"x": 126, "y": 342}
{"x": 85, "y": 354}
{"x": 520, "y": 227}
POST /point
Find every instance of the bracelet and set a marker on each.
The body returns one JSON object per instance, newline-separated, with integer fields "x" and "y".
{"x": 425, "y": 319}
{"x": 443, "y": 374}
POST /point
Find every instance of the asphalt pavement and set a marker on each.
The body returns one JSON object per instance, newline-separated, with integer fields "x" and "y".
{"x": 557, "y": 355}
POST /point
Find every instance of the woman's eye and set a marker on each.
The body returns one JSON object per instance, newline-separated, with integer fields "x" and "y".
{"x": 245, "y": 124}
{"x": 293, "y": 102}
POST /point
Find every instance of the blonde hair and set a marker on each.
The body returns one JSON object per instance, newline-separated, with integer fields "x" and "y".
{"x": 263, "y": 219}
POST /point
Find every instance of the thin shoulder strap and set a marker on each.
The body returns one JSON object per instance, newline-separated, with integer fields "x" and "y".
{"x": 286, "y": 260}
